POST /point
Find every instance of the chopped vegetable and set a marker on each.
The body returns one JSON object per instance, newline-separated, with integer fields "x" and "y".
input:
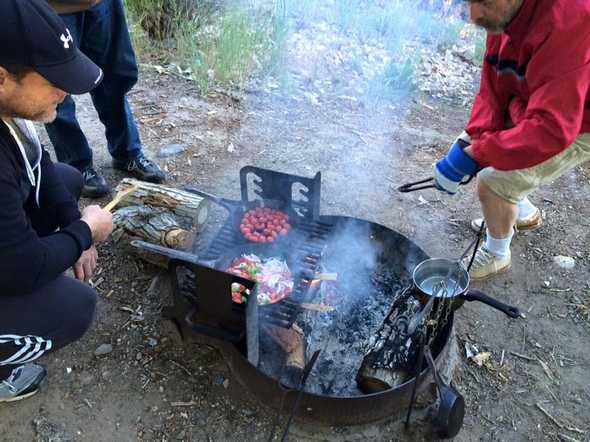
{"x": 272, "y": 275}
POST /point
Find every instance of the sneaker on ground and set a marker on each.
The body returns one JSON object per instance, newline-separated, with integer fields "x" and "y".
{"x": 23, "y": 382}
{"x": 95, "y": 186}
{"x": 486, "y": 264}
{"x": 141, "y": 168}
{"x": 531, "y": 222}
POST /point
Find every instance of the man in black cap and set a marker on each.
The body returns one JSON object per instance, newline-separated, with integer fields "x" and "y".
{"x": 42, "y": 232}
{"x": 99, "y": 29}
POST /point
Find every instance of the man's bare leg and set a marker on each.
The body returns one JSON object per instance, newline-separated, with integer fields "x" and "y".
{"x": 499, "y": 214}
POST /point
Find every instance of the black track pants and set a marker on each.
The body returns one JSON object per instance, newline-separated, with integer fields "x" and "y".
{"x": 51, "y": 317}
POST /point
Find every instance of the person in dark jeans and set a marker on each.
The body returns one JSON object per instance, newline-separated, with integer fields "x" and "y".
{"x": 101, "y": 33}
{"x": 42, "y": 232}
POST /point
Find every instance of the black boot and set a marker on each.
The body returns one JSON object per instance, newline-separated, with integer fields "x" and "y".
{"x": 141, "y": 168}
{"x": 95, "y": 186}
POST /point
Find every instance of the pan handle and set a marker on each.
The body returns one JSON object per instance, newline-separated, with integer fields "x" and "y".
{"x": 419, "y": 185}
{"x": 412, "y": 187}
{"x": 476, "y": 295}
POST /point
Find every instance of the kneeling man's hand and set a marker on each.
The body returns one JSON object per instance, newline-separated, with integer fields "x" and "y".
{"x": 100, "y": 222}
{"x": 84, "y": 268}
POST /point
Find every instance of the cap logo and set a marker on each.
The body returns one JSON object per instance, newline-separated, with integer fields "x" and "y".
{"x": 67, "y": 40}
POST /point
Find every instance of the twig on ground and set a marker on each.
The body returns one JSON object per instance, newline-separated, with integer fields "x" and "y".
{"x": 182, "y": 367}
{"x": 557, "y": 423}
{"x": 184, "y": 404}
{"x": 526, "y": 358}
{"x": 568, "y": 438}
{"x": 546, "y": 369}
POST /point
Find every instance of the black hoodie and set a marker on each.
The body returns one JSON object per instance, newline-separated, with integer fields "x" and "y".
{"x": 28, "y": 261}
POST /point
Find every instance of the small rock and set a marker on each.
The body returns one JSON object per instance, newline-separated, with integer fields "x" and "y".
{"x": 86, "y": 379}
{"x": 565, "y": 262}
{"x": 49, "y": 431}
{"x": 219, "y": 380}
{"x": 226, "y": 383}
{"x": 171, "y": 150}
{"x": 103, "y": 349}
{"x": 138, "y": 356}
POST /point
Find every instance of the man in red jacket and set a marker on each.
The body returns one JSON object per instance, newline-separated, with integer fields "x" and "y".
{"x": 530, "y": 121}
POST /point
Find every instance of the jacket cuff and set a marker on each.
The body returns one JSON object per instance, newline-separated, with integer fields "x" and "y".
{"x": 479, "y": 155}
{"x": 68, "y": 213}
{"x": 465, "y": 138}
{"x": 81, "y": 233}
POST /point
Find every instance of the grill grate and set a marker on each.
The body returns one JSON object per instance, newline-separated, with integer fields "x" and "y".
{"x": 305, "y": 243}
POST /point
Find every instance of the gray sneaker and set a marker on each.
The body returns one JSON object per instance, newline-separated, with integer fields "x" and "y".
{"x": 23, "y": 382}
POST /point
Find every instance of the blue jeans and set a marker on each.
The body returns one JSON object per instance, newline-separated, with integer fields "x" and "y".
{"x": 102, "y": 34}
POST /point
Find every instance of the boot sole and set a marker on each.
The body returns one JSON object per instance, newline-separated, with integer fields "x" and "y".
{"x": 88, "y": 193}
{"x": 20, "y": 398}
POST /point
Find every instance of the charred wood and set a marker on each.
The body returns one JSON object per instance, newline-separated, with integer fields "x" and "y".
{"x": 391, "y": 351}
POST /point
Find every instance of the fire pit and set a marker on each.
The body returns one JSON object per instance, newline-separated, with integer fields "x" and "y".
{"x": 356, "y": 316}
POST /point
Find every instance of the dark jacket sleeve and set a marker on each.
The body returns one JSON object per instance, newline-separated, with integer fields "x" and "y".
{"x": 54, "y": 198}
{"x": 27, "y": 262}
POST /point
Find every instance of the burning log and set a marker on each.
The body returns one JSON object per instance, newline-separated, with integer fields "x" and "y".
{"x": 157, "y": 214}
{"x": 291, "y": 341}
{"x": 390, "y": 353}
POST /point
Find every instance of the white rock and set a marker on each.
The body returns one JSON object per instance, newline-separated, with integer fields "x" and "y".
{"x": 565, "y": 262}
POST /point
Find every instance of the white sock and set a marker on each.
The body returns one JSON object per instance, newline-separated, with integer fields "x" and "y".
{"x": 525, "y": 208}
{"x": 500, "y": 247}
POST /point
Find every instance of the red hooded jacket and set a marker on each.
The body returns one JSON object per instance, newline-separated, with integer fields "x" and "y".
{"x": 537, "y": 73}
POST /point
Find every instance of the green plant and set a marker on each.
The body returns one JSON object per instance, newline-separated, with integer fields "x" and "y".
{"x": 240, "y": 43}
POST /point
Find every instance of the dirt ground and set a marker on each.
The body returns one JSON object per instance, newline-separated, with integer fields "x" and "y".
{"x": 534, "y": 385}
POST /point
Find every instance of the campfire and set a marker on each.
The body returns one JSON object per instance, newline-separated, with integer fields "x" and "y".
{"x": 349, "y": 301}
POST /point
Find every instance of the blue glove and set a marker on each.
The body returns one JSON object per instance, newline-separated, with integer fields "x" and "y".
{"x": 454, "y": 168}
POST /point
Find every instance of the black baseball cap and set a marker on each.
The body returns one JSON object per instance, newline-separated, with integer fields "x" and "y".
{"x": 33, "y": 35}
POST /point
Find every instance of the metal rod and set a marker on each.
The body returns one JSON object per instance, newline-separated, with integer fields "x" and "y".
{"x": 304, "y": 377}
{"x": 416, "y": 376}
{"x": 479, "y": 235}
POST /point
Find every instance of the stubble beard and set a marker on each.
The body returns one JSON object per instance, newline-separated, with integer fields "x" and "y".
{"x": 46, "y": 116}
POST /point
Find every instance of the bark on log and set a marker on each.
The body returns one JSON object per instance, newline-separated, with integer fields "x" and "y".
{"x": 160, "y": 215}
{"x": 190, "y": 209}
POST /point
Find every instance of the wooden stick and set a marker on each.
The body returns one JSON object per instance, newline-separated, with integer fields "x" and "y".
{"x": 318, "y": 307}
{"x": 118, "y": 197}
{"x": 326, "y": 277}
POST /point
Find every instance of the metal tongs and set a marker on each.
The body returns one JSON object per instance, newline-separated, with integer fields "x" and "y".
{"x": 419, "y": 185}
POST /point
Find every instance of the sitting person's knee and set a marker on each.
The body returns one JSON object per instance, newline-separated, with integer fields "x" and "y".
{"x": 81, "y": 308}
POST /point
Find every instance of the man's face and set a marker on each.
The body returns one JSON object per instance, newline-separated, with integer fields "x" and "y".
{"x": 31, "y": 97}
{"x": 493, "y": 15}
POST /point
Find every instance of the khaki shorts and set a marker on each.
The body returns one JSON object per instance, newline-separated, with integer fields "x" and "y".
{"x": 515, "y": 185}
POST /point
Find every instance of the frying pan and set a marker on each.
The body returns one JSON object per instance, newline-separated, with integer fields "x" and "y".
{"x": 431, "y": 271}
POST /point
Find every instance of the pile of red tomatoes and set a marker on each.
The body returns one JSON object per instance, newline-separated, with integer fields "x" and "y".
{"x": 264, "y": 224}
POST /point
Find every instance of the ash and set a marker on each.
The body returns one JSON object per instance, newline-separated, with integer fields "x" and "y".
{"x": 344, "y": 335}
